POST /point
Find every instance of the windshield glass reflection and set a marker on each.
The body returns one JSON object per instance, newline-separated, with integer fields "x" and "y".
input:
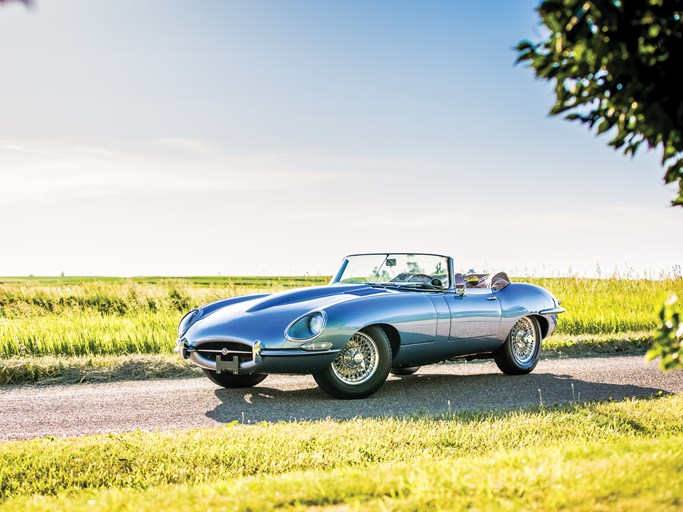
{"x": 396, "y": 269}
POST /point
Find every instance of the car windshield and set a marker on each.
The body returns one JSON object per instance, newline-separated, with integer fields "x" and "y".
{"x": 395, "y": 269}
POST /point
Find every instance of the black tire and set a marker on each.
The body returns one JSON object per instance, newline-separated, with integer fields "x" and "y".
{"x": 228, "y": 380}
{"x": 519, "y": 354}
{"x": 403, "y": 370}
{"x": 349, "y": 376}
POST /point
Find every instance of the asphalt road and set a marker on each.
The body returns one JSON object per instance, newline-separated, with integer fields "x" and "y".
{"x": 80, "y": 409}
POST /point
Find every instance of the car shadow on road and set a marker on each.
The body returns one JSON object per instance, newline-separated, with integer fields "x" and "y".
{"x": 416, "y": 394}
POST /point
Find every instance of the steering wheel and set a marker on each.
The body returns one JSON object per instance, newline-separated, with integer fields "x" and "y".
{"x": 423, "y": 277}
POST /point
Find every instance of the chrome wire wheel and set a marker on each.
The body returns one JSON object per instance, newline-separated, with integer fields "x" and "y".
{"x": 524, "y": 338}
{"x": 360, "y": 368}
{"x": 522, "y": 348}
{"x": 358, "y": 361}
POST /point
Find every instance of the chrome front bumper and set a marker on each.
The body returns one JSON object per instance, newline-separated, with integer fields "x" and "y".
{"x": 257, "y": 360}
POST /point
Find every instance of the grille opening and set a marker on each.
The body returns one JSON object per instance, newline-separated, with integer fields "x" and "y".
{"x": 214, "y": 348}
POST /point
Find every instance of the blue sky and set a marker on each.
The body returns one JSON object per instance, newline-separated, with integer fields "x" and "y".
{"x": 273, "y": 137}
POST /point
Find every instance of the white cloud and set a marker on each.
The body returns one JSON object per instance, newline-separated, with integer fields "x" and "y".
{"x": 42, "y": 171}
{"x": 191, "y": 145}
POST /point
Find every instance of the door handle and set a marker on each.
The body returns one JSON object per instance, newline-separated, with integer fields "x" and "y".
{"x": 492, "y": 297}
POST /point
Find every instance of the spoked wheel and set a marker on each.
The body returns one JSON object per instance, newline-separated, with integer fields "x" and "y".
{"x": 522, "y": 348}
{"x": 403, "y": 370}
{"x": 228, "y": 380}
{"x": 361, "y": 367}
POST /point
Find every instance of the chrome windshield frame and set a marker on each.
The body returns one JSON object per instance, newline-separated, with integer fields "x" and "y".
{"x": 345, "y": 261}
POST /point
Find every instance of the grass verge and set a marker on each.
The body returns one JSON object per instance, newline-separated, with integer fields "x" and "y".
{"x": 586, "y": 345}
{"x": 623, "y": 455}
{"x": 72, "y": 370}
{"x": 542, "y": 478}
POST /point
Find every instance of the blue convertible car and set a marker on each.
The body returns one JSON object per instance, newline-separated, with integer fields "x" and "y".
{"x": 381, "y": 313}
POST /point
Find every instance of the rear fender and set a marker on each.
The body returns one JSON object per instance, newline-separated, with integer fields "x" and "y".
{"x": 518, "y": 300}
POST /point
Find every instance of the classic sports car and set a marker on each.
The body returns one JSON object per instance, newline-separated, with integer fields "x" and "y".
{"x": 380, "y": 314}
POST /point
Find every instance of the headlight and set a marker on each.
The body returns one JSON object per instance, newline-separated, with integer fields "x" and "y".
{"x": 306, "y": 327}
{"x": 185, "y": 322}
{"x": 316, "y": 324}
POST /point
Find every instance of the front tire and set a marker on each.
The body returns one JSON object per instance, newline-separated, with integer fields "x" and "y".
{"x": 522, "y": 348}
{"x": 361, "y": 367}
{"x": 228, "y": 380}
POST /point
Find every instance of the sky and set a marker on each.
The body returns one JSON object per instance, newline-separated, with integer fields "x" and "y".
{"x": 259, "y": 137}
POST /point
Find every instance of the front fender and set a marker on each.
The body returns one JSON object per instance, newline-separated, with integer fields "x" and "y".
{"x": 412, "y": 315}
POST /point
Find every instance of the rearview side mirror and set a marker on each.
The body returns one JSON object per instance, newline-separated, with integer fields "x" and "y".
{"x": 460, "y": 284}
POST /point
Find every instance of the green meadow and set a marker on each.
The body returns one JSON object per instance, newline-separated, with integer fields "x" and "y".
{"x": 110, "y": 316}
{"x": 81, "y": 326}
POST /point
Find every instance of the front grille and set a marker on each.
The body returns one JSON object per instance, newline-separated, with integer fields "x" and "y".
{"x": 212, "y": 349}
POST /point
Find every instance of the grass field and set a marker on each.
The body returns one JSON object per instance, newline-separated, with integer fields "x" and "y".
{"x": 598, "y": 456}
{"x": 92, "y": 317}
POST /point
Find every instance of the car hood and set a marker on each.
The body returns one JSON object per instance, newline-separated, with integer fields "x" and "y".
{"x": 266, "y": 317}
{"x": 323, "y": 295}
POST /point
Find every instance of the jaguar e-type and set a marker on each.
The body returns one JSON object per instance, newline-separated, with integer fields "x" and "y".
{"x": 381, "y": 313}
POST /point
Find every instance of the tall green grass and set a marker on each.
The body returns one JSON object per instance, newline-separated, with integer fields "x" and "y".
{"x": 65, "y": 317}
{"x": 601, "y": 306}
{"x": 111, "y": 317}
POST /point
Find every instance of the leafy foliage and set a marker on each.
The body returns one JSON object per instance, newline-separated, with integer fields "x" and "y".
{"x": 616, "y": 65}
{"x": 668, "y": 339}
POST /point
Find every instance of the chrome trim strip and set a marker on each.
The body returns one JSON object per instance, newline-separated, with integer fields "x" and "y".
{"x": 552, "y": 311}
{"x": 228, "y": 351}
{"x": 282, "y": 353}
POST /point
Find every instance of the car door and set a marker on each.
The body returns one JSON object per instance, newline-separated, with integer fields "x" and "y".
{"x": 475, "y": 321}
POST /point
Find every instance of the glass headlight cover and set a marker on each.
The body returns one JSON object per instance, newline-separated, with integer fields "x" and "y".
{"x": 187, "y": 320}
{"x": 306, "y": 327}
{"x": 316, "y": 324}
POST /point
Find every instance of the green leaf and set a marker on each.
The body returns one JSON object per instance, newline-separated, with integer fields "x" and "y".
{"x": 668, "y": 338}
{"x": 605, "y": 125}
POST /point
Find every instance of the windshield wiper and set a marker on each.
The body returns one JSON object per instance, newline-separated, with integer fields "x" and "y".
{"x": 404, "y": 286}
{"x": 384, "y": 285}
{"x": 426, "y": 286}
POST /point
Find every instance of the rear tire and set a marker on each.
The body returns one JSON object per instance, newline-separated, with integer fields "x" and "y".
{"x": 361, "y": 367}
{"x": 228, "y": 380}
{"x": 403, "y": 370}
{"x": 522, "y": 348}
